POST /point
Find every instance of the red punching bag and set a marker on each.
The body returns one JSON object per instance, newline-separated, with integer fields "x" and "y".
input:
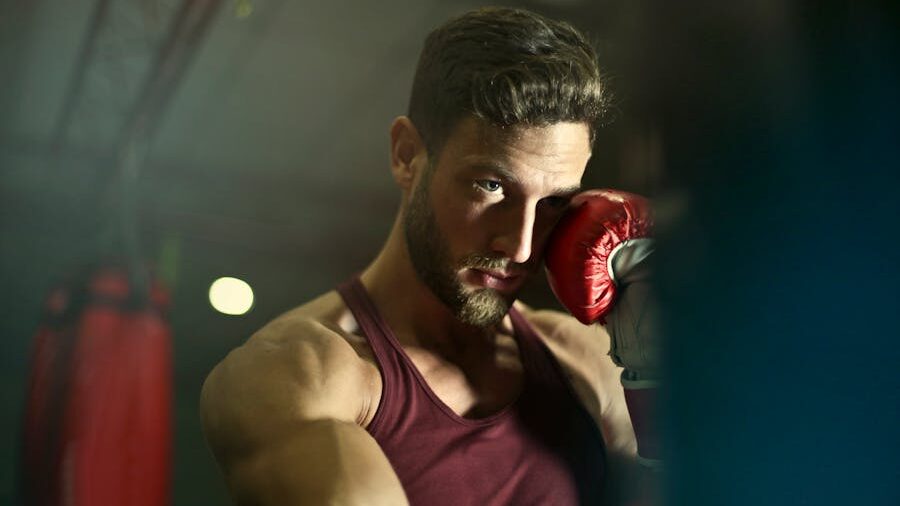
{"x": 97, "y": 428}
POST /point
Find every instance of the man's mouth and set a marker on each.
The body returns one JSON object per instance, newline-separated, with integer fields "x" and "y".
{"x": 503, "y": 281}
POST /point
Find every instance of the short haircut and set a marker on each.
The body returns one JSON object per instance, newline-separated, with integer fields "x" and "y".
{"x": 506, "y": 67}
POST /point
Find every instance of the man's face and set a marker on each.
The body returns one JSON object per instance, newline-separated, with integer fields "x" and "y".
{"x": 477, "y": 220}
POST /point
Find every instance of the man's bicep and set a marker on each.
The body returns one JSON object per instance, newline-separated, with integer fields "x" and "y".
{"x": 296, "y": 461}
{"x": 244, "y": 411}
{"x": 317, "y": 462}
{"x": 279, "y": 421}
{"x": 301, "y": 373}
{"x": 249, "y": 396}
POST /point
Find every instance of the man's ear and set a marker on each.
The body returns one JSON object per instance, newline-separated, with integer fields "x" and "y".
{"x": 408, "y": 153}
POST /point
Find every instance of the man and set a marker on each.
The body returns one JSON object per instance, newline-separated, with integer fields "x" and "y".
{"x": 423, "y": 381}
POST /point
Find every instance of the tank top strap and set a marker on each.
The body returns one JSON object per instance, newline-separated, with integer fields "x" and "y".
{"x": 397, "y": 380}
{"x": 367, "y": 317}
{"x": 537, "y": 358}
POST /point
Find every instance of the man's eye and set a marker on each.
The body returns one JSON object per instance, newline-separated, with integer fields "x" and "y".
{"x": 488, "y": 185}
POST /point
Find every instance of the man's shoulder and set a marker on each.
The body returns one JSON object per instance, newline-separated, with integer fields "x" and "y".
{"x": 301, "y": 362}
{"x": 563, "y": 329}
{"x": 312, "y": 327}
{"x": 322, "y": 329}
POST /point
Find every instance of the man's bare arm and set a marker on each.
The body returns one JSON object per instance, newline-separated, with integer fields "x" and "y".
{"x": 583, "y": 351}
{"x": 281, "y": 414}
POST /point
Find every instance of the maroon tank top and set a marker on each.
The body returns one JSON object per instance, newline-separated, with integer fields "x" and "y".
{"x": 543, "y": 449}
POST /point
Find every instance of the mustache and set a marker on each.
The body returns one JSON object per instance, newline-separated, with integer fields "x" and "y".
{"x": 479, "y": 261}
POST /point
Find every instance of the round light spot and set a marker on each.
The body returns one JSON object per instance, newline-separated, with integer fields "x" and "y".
{"x": 231, "y": 296}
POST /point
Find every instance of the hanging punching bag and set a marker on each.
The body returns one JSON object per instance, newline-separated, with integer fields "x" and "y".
{"x": 97, "y": 428}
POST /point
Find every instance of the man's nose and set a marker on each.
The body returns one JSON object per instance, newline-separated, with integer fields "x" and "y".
{"x": 514, "y": 241}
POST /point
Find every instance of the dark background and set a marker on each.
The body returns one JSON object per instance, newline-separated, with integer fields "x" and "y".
{"x": 766, "y": 131}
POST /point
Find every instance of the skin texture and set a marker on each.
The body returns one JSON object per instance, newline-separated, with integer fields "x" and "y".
{"x": 285, "y": 414}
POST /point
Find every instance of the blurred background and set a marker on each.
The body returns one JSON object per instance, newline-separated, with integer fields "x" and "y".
{"x": 249, "y": 138}
{"x": 261, "y": 132}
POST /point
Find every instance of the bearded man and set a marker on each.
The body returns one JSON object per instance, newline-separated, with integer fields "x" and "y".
{"x": 423, "y": 380}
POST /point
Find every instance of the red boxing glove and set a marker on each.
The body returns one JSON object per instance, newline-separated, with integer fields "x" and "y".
{"x": 593, "y": 248}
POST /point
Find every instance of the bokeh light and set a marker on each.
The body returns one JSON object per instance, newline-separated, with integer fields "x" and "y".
{"x": 231, "y": 296}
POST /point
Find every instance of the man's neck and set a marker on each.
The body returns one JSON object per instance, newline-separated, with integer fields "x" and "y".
{"x": 416, "y": 316}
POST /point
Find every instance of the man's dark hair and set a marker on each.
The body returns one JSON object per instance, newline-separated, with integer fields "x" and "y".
{"x": 506, "y": 67}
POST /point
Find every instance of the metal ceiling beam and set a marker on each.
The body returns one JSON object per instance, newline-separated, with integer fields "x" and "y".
{"x": 134, "y": 56}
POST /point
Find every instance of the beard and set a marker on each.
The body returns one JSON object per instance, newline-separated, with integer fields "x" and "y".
{"x": 431, "y": 259}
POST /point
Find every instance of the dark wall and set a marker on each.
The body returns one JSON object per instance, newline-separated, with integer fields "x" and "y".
{"x": 779, "y": 277}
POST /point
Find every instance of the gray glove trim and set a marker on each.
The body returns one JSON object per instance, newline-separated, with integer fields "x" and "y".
{"x": 625, "y": 257}
{"x": 631, "y": 323}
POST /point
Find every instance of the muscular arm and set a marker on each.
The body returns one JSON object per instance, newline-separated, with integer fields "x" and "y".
{"x": 281, "y": 414}
{"x": 583, "y": 351}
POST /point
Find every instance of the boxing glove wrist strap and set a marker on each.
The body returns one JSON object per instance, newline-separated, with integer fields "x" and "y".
{"x": 641, "y": 398}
